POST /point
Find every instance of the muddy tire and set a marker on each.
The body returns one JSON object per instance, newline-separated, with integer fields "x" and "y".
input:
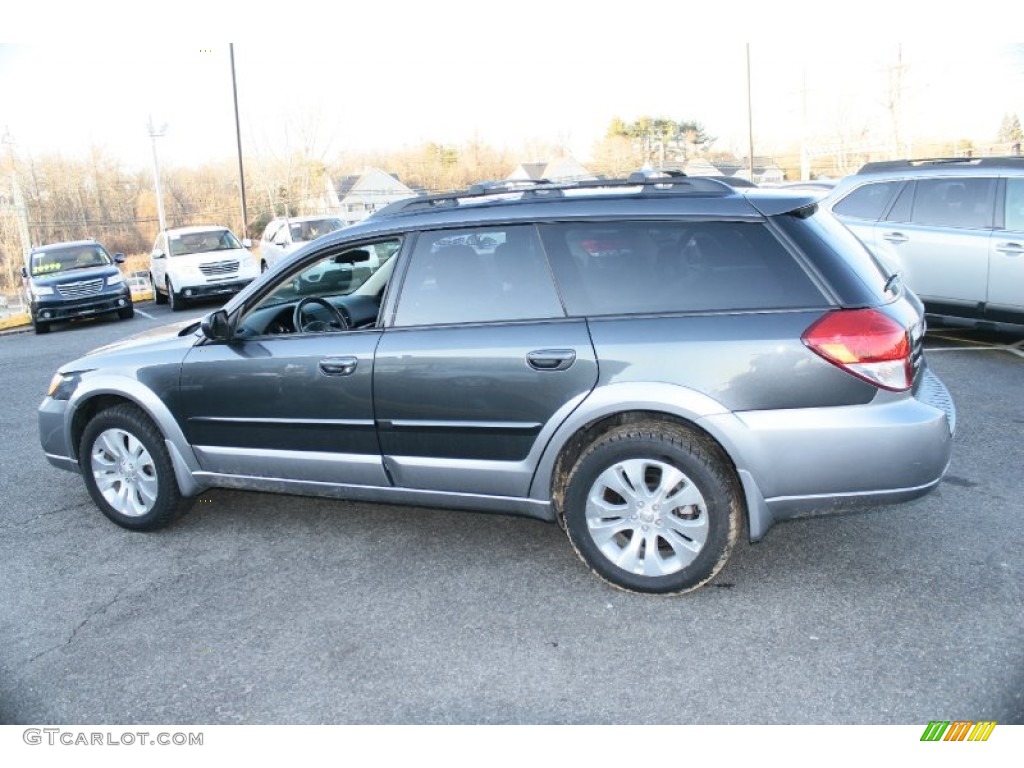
{"x": 653, "y": 507}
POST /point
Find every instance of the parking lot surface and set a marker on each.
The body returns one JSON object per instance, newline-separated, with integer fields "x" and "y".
{"x": 256, "y": 608}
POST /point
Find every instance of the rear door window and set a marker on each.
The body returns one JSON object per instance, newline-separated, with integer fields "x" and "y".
{"x": 657, "y": 267}
{"x": 955, "y": 202}
{"x": 476, "y": 276}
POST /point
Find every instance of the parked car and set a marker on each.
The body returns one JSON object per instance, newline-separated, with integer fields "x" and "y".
{"x": 953, "y": 228}
{"x": 65, "y": 281}
{"x": 284, "y": 235}
{"x": 657, "y": 364}
{"x": 191, "y": 263}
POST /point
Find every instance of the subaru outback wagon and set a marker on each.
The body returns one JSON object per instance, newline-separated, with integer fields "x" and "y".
{"x": 657, "y": 364}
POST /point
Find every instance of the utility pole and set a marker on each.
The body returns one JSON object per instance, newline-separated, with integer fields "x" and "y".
{"x": 238, "y": 139}
{"x": 154, "y": 134}
{"x": 750, "y": 120}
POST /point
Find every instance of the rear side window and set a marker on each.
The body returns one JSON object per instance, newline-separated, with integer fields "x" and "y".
{"x": 654, "y": 267}
{"x": 958, "y": 202}
{"x": 1014, "y": 211}
{"x": 477, "y": 276}
{"x": 867, "y": 202}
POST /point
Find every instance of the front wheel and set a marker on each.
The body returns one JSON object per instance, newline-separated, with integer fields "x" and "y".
{"x": 126, "y": 313}
{"x": 158, "y": 298}
{"x": 175, "y": 299}
{"x": 653, "y": 507}
{"x": 128, "y": 470}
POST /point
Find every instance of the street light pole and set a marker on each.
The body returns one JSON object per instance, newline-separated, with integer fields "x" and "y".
{"x": 750, "y": 119}
{"x": 238, "y": 139}
{"x": 154, "y": 134}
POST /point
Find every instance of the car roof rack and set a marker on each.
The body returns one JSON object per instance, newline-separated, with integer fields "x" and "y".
{"x": 1002, "y": 161}
{"x": 501, "y": 191}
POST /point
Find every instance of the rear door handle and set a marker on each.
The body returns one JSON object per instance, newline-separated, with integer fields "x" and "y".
{"x": 338, "y": 366}
{"x": 1010, "y": 249}
{"x": 551, "y": 359}
{"x": 895, "y": 237}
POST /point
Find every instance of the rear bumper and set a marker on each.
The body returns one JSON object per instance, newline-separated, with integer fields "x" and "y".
{"x": 818, "y": 460}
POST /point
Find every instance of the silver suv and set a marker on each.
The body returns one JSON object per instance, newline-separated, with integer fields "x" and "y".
{"x": 655, "y": 364}
{"x": 952, "y": 227}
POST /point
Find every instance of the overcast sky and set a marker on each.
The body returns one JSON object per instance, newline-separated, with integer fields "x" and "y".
{"x": 396, "y": 75}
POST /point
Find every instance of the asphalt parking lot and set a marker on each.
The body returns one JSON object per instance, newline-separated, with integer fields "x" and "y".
{"x": 257, "y": 608}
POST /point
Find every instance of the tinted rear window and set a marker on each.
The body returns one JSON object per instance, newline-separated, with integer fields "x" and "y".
{"x": 655, "y": 267}
{"x": 843, "y": 260}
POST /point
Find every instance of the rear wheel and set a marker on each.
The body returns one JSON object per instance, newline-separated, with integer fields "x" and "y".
{"x": 128, "y": 470}
{"x": 653, "y": 507}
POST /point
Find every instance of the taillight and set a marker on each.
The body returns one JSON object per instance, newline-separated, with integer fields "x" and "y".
{"x": 867, "y": 343}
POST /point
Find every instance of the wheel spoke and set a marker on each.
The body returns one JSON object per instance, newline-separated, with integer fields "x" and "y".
{"x": 689, "y": 534}
{"x": 111, "y": 444}
{"x": 629, "y": 556}
{"x": 686, "y": 496}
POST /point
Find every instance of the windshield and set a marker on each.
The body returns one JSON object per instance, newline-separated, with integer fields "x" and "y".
{"x": 185, "y": 243}
{"x": 304, "y": 231}
{"x": 66, "y": 259}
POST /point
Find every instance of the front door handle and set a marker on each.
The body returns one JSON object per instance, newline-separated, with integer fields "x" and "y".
{"x": 1010, "y": 249}
{"x": 551, "y": 359}
{"x": 895, "y": 237}
{"x": 338, "y": 366}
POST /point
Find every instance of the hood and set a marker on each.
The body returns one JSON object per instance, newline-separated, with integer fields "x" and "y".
{"x": 176, "y": 336}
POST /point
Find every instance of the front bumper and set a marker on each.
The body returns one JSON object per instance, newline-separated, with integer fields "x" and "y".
{"x": 53, "y": 434}
{"x": 52, "y": 308}
{"x": 206, "y": 290}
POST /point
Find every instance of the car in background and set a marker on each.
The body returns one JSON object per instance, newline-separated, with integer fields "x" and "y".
{"x": 191, "y": 263}
{"x": 658, "y": 364}
{"x": 286, "y": 234}
{"x": 820, "y": 187}
{"x": 952, "y": 228}
{"x": 70, "y": 280}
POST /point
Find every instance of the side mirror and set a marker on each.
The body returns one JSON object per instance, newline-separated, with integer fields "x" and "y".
{"x": 119, "y": 258}
{"x": 158, "y": 255}
{"x": 215, "y": 326}
{"x": 24, "y": 272}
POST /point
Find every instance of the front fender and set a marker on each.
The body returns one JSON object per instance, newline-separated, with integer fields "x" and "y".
{"x": 182, "y": 456}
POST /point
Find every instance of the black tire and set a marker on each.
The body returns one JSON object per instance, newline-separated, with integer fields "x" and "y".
{"x": 126, "y": 449}
{"x": 40, "y": 326}
{"x": 127, "y": 313}
{"x": 636, "y": 541}
{"x": 158, "y": 298}
{"x": 175, "y": 299}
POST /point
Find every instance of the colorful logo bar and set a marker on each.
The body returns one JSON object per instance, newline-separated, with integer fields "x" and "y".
{"x": 958, "y": 730}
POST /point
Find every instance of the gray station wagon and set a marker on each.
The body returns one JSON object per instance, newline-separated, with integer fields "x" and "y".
{"x": 658, "y": 364}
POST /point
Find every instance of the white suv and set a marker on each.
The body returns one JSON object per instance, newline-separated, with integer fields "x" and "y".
{"x": 284, "y": 235}
{"x": 199, "y": 262}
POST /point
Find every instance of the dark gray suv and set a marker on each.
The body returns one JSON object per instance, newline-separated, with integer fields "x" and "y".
{"x": 657, "y": 364}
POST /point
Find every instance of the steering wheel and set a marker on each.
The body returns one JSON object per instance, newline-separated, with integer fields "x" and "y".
{"x": 338, "y": 321}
